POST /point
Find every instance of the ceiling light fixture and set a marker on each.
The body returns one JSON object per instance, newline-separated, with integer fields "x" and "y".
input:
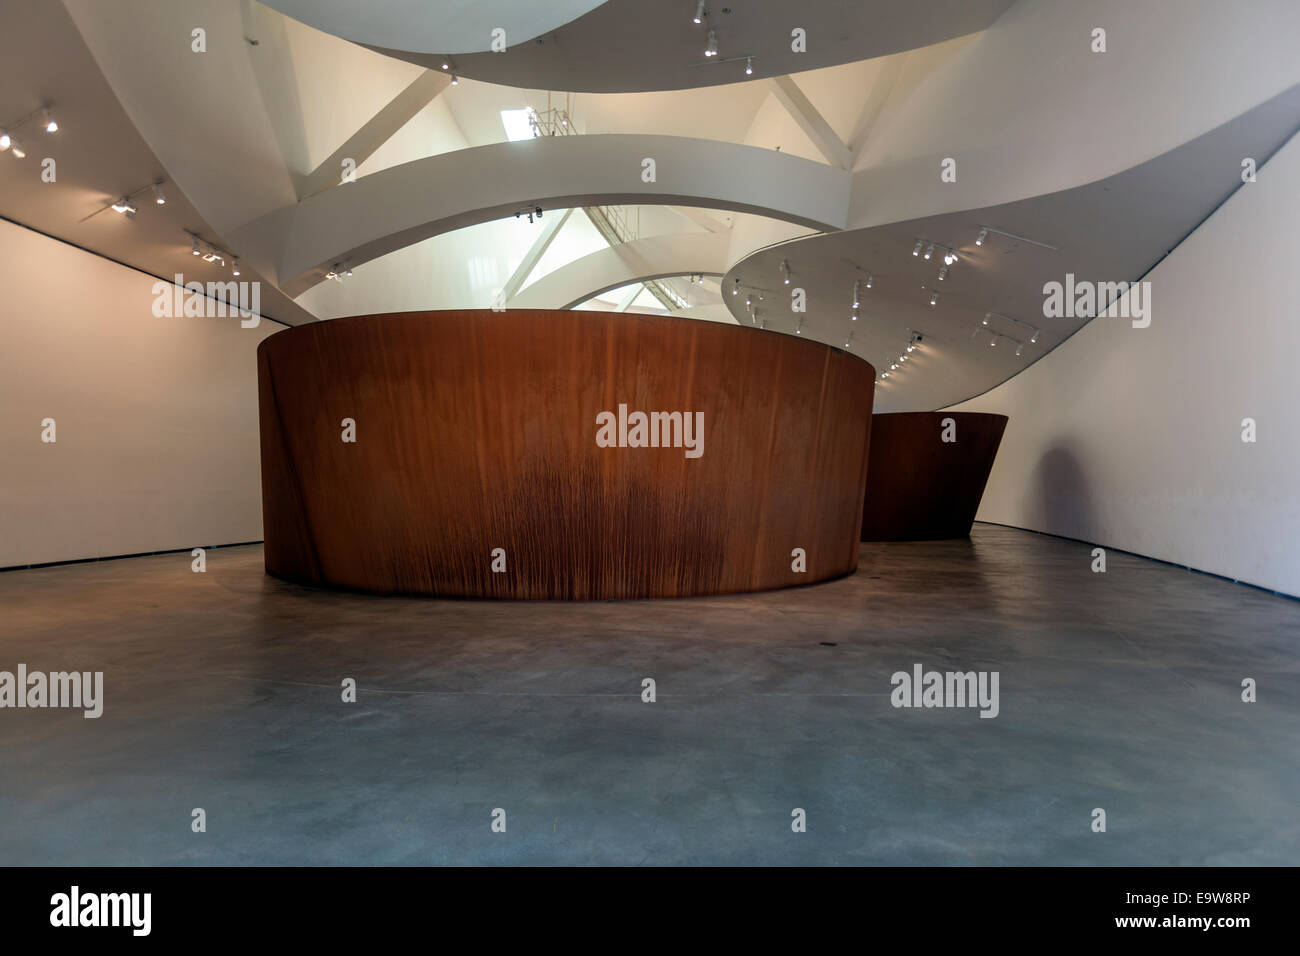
{"x": 17, "y": 148}
{"x": 454, "y": 80}
{"x": 943, "y": 273}
{"x": 870, "y": 280}
{"x": 195, "y": 247}
{"x": 1020, "y": 349}
{"x": 234, "y": 266}
{"x": 50, "y": 125}
{"x": 158, "y": 196}
{"x": 916, "y": 250}
{"x": 934, "y": 297}
{"x": 4, "y": 139}
{"x": 699, "y": 12}
{"x": 785, "y": 271}
{"x": 711, "y": 49}
{"x": 987, "y": 315}
{"x": 949, "y": 257}
{"x": 929, "y": 250}
{"x": 856, "y": 297}
{"x": 984, "y": 234}
{"x": 735, "y": 289}
{"x": 124, "y": 206}
{"x": 446, "y": 63}
{"x": 1034, "y": 338}
{"x": 749, "y": 66}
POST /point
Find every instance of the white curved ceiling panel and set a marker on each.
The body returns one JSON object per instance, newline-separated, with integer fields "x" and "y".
{"x": 434, "y": 26}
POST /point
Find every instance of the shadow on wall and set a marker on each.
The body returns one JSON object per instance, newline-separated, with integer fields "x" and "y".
{"x": 1063, "y": 504}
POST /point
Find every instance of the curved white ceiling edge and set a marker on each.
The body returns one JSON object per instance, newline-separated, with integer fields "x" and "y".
{"x": 402, "y": 205}
{"x": 1026, "y": 108}
{"x": 1117, "y": 229}
{"x": 657, "y": 257}
{"x": 434, "y": 26}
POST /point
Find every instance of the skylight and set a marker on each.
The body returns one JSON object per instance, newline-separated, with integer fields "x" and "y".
{"x": 517, "y": 124}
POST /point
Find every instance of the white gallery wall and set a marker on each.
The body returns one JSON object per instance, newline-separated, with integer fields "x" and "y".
{"x": 155, "y": 418}
{"x": 1132, "y": 438}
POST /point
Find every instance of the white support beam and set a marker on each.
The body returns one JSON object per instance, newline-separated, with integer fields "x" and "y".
{"x": 811, "y": 122}
{"x": 534, "y": 254}
{"x": 628, "y": 299}
{"x": 376, "y": 131}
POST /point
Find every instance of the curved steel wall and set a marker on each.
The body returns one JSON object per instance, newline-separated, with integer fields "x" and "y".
{"x": 921, "y": 487}
{"x": 477, "y": 431}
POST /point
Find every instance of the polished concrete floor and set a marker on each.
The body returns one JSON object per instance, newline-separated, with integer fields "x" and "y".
{"x": 222, "y": 691}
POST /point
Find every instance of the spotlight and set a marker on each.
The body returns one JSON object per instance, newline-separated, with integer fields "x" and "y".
{"x": 943, "y": 273}
{"x": 870, "y": 280}
{"x": 934, "y": 297}
{"x": 984, "y": 234}
{"x": 195, "y": 247}
{"x": 1034, "y": 338}
{"x": 916, "y": 250}
{"x": 347, "y": 271}
{"x": 735, "y": 289}
{"x": 785, "y": 271}
{"x": 17, "y": 147}
{"x": 987, "y": 315}
{"x": 158, "y": 196}
{"x": 902, "y": 359}
{"x": 124, "y": 206}
{"x": 856, "y": 297}
{"x": 749, "y": 300}
{"x": 4, "y": 139}
{"x": 1020, "y": 350}
{"x": 538, "y": 210}
{"x": 455, "y": 81}
{"x": 993, "y": 342}
{"x": 893, "y": 366}
{"x": 234, "y": 266}
{"x": 949, "y": 257}
{"x": 929, "y": 250}
{"x": 699, "y": 12}
{"x": 50, "y": 125}
{"x": 446, "y": 64}
{"x": 711, "y": 49}
{"x": 749, "y": 66}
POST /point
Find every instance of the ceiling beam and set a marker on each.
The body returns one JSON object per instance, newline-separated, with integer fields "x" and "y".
{"x": 534, "y": 254}
{"x": 628, "y": 299}
{"x": 376, "y": 131}
{"x": 811, "y": 122}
